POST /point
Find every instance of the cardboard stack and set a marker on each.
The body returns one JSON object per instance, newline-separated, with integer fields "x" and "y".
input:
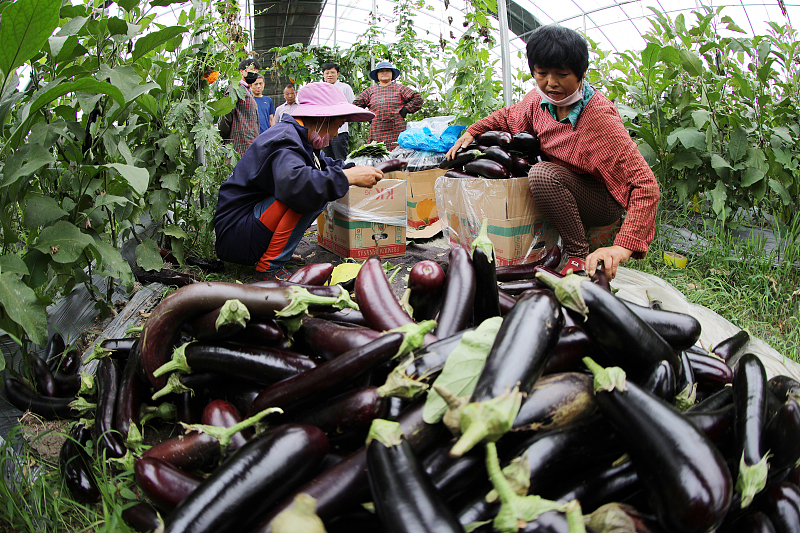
{"x": 420, "y": 197}
{"x": 366, "y": 221}
{"x": 519, "y": 232}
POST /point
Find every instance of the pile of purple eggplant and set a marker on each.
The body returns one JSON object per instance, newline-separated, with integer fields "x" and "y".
{"x": 495, "y": 155}
{"x": 589, "y": 411}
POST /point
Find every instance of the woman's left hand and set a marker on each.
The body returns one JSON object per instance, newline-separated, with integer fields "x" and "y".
{"x": 610, "y": 256}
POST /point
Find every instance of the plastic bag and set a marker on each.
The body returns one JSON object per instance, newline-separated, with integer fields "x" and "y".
{"x": 432, "y": 134}
{"x": 417, "y": 159}
{"x": 635, "y": 286}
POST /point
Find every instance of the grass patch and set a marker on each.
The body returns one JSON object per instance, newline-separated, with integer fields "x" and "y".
{"x": 739, "y": 278}
{"x": 35, "y": 499}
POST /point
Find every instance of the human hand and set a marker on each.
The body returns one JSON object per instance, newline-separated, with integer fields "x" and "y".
{"x": 610, "y": 256}
{"x": 363, "y": 176}
{"x": 461, "y": 142}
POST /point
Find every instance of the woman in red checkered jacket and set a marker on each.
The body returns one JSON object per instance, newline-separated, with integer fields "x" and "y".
{"x": 390, "y": 102}
{"x": 595, "y": 173}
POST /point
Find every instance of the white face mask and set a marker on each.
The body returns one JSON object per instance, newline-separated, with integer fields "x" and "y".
{"x": 318, "y": 141}
{"x": 574, "y": 98}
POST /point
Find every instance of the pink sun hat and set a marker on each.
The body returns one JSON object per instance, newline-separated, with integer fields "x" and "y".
{"x": 322, "y": 99}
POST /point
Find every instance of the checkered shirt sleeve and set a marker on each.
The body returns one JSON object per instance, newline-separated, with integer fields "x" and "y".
{"x": 599, "y": 145}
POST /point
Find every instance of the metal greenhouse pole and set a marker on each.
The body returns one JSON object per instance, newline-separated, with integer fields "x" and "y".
{"x": 502, "y": 16}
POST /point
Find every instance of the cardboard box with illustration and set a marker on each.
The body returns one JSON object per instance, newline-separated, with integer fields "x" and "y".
{"x": 366, "y": 221}
{"x": 517, "y": 229}
{"x": 421, "y": 209}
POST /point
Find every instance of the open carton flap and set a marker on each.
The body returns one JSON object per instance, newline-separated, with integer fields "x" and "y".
{"x": 425, "y": 233}
{"x": 634, "y": 286}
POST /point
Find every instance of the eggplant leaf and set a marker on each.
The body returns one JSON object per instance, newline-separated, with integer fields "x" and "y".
{"x": 21, "y": 305}
{"x": 463, "y": 368}
{"x": 148, "y": 256}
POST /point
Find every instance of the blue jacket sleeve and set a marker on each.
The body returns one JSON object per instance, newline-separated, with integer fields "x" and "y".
{"x": 297, "y": 182}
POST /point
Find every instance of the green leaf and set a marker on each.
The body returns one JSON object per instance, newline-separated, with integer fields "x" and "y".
{"x": 779, "y": 188}
{"x": 701, "y": 117}
{"x": 159, "y": 203}
{"x": 148, "y": 103}
{"x": 137, "y": 178}
{"x": 717, "y": 161}
{"x": 37, "y": 157}
{"x": 752, "y": 175}
{"x": 689, "y": 138}
{"x": 719, "y": 196}
{"x": 148, "y": 256}
{"x": 151, "y": 41}
{"x": 22, "y": 306}
{"x": 171, "y": 182}
{"x": 175, "y": 231}
{"x": 72, "y": 26}
{"x": 63, "y": 241}
{"x": 223, "y": 106}
{"x": 650, "y": 56}
{"x": 13, "y": 264}
{"x": 648, "y": 153}
{"x": 738, "y": 144}
{"x": 57, "y": 89}
{"x": 691, "y": 62}
{"x": 117, "y": 26}
{"x": 104, "y": 200}
{"x": 25, "y": 28}
{"x": 670, "y": 56}
{"x": 127, "y": 5}
{"x": 686, "y": 159}
{"x": 112, "y": 263}
{"x": 744, "y": 85}
{"x": 40, "y": 211}
{"x": 462, "y": 368}
{"x": 127, "y": 80}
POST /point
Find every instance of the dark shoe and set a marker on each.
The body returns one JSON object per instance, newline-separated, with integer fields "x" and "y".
{"x": 280, "y": 274}
{"x": 577, "y": 266}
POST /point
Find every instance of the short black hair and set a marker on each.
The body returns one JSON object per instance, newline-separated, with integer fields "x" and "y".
{"x": 260, "y": 77}
{"x": 244, "y": 63}
{"x": 555, "y": 46}
{"x": 328, "y": 66}
{"x": 289, "y": 86}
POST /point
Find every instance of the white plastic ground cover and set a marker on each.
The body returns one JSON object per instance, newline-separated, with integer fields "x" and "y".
{"x": 634, "y": 286}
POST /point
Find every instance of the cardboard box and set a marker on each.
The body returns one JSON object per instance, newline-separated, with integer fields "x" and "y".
{"x": 519, "y": 232}
{"x": 420, "y": 196}
{"x": 353, "y": 225}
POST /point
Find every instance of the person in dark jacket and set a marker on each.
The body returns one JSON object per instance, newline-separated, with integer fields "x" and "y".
{"x": 283, "y": 182}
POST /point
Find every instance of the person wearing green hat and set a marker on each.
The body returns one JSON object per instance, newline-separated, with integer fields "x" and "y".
{"x": 390, "y": 102}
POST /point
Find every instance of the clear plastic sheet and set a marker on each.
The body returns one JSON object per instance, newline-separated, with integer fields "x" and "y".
{"x": 635, "y": 286}
{"x": 518, "y": 231}
{"x": 371, "y": 209}
{"x": 418, "y": 160}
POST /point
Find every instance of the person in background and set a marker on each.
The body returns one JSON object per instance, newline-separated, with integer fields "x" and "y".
{"x": 595, "y": 172}
{"x": 266, "y": 109}
{"x": 289, "y": 95}
{"x": 340, "y": 145}
{"x": 283, "y": 182}
{"x": 240, "y": 126}
{"x": 390, "y": 102}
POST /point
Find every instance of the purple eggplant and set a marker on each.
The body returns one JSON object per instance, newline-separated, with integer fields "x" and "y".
{"x": 259, "y": 475}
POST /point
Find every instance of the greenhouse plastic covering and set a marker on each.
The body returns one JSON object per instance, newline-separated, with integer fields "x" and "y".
{"x": 617, "y": 25}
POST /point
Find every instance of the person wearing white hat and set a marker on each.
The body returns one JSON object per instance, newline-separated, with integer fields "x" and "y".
{"x": 390, "y": 102}
{"x": 282, "y": 182}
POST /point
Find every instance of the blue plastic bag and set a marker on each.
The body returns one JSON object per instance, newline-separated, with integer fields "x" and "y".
{"x": 422, "y": 138}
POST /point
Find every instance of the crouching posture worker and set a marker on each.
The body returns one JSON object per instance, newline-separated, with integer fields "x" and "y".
{"x": 283, "y": 182}
{"x": 595, "y": 172}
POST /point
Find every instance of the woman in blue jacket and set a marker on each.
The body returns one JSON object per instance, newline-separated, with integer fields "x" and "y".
{"x": 282, "y": 182}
